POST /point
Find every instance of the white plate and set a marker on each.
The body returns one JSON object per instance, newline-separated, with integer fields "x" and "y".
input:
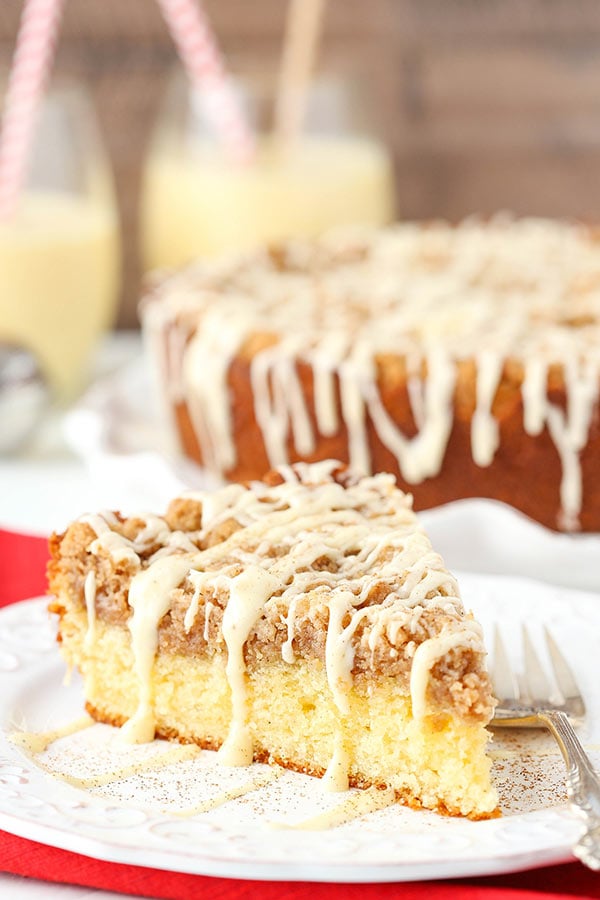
{"x": 135, "y": 820}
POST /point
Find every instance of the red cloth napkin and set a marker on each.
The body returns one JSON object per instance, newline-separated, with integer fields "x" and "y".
{"x": 22, "y": 574}
{"x": 22, "y": 566}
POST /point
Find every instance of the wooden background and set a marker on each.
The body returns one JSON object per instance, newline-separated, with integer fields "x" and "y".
{"x": 488, "y": 103}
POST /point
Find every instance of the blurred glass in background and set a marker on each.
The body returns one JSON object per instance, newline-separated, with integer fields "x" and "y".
{"x": 197, "y": 202}
{"x": 60, "y": 249}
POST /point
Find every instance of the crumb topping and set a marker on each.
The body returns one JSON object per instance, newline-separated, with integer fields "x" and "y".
{"x": 346, "y": 574}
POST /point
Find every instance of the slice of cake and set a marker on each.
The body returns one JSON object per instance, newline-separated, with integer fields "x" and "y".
{"x": 463, "y": 359}
{"x": 304, "y": 620}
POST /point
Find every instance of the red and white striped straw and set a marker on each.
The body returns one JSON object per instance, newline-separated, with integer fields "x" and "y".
{"x": 197, "y": 48}
{"x": 32, "y": 60}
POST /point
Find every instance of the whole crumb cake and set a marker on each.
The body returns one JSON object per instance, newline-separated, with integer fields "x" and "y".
{"x": 303, "y": 619}
{"x": 464, "y": 359}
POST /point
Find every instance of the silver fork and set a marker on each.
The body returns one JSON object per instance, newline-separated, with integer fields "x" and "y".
{"x": 530, "y": 701}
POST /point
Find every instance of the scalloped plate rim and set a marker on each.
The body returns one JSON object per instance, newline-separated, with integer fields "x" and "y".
{"x": 556, "y": 851}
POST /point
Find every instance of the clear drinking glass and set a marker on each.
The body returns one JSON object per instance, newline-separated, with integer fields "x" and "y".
{"x": 197, "y": 202}
{"x": 60, "y": 250}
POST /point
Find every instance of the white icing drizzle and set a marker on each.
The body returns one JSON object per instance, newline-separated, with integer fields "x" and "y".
{"x": 287, "y": 649}
{"x": 357, "y": 804}
{"x": 248, "y": 594}
{"x": 89, "y": 592}
{"x": 191, "y": 612}
{"x": 354, "y": 417}
{"x": 38, "y": 741}
{"x": 523, "y": 290}
{"x": 533, "y": 392}
{"x": 332, "y": 349}
{"x": 339, "y": 652}
{"x": 215, "y": 504}
{"x": 336, "y": 777}
{"x": 270, "y": 407}
{"x": 422, "y": 455}
{"x": 204, "y": 393}
{"x": 175, "y": 754}
{"x": 149, "y": 598}
{"x": 485, "y": 433}
{"x": 279, "y": 403}
{"x": 122, "y": 550}
{"x": 582, "y": 395}
{"x": 414, "y": 386}
{"x": 248, "y": 787}
{"x": 207, "y": 611}
{"x": 111, "y": 542}
{"x": 304, "y": 439}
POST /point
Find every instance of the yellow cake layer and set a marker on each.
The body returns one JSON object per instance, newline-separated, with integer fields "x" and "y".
{"x": 437, "y": 762}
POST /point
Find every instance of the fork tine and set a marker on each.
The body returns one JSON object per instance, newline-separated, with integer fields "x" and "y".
{"x": 563, "y": 673}
{"x": 538, "y": 685}
{"x": 505, "y": 683}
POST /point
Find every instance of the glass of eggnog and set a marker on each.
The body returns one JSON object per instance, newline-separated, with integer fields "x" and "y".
{"x": 198, "y": 202}
{"x": 60, "y": 246}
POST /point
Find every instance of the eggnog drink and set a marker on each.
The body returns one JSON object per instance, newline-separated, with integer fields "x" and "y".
{"x": 59, "y": 270}
{"x": 196, "y": 203}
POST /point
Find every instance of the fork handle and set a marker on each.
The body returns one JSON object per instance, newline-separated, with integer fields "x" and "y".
{"x": 583, "y": 786}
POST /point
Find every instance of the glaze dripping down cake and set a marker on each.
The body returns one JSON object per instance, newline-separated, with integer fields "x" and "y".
{"x": 463, "y": 359}
{"x": 303, "y": 619}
